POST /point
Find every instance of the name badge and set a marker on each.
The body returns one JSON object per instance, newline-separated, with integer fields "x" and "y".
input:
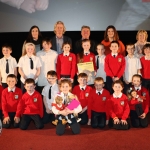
{"x": 70, "y": 58}
{"x": 91, "y": 58}
{"x": 122, "y": 103}
{"x": 104, "y": 98}
{"x": 144, "y": 94}
{"x": 119, "y": 59}
{"x": 86, "y": 94}
{"x": 16, "y": 96}
{"x": 35, "y": 99}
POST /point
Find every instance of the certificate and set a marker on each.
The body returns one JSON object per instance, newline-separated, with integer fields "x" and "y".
{"x": 87, "y": 68}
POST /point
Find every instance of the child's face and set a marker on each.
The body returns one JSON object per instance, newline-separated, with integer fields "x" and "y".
{"x": 35, "y": 33}
{"x": 134, "y": 94}
{"x": 86, "y": 46}
{"x": 6, "y": 51}
{"x": 46, "y": 46}
{"x": 117, "y": 88}
{"x": 29, "y": 50}
{"x": 82, "y": 81}
{"x": 136, "y": 81}
{"x": 65, "y": 88}
{"x": 29, "y": 87}
{"x": 110, "y": 33}
{"x": 130, "y": 49}
{"x": 100, "y": 50}
{"x": 141, "y": 37}
{"x": 114, "y": 48}
{"x": 11, "y": 82}
{"x": 85, "y": 33}
{"x": 99, "y": 85}
{"x": 66, "y": 48}
{"x": 51, "y": 79}
{"x": 147, "y": 51}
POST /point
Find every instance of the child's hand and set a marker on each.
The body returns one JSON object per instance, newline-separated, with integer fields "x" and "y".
{"x": 28, "y": 5}
{"x": 71, "y": 80}
{"x": 89, "y": 122}
{"x": 49, "y": 111}
{"x": 16, "y": 119}
{"x": 6, "y": 120}
{"x": 107, "y": 121}
{"x": 41, "y": 4}
{"x": 124, "y": 122}
{"x": 116, "y": 121}
{"x": 94, "y": 73}
{"x": 143, "y": 116}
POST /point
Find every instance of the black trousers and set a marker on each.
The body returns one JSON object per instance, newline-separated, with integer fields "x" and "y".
{"x": 4, "y": 85}
{"x": 98, "y": 119}
{"x": 146, "y": 83}
{"x": 48, "y": 117}
{"x": 136, "y": 121}
{"x": 118, "y": 126}
{"x": 84, "y": 118}
{"x": 126, "y": 87}
{"x": 75, "y": 127}
{"x": 11, "y": 116}
{"x": 40, "y": 88}
{"x": 26, "y": 119}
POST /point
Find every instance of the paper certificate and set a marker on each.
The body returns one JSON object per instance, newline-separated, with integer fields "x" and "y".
{"x": 87, "y": 68}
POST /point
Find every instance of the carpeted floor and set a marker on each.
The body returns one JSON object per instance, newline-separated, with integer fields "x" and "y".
{"x": 89, "y": 139}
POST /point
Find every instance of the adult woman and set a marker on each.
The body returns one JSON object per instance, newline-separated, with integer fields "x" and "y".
{"x": 34, "y": 37}
{"x": 109, "y": 36}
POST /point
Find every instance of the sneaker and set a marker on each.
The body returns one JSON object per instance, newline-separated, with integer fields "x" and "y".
{"x": 79, "y": 119}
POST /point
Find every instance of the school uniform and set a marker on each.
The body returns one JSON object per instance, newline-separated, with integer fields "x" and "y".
{"x": 60, "y": 128}
{"x": 99, "y": 60}
{"x": 48, "y": 61}
{"x": 12, "y": 64}
{"x": 135, "y": 120}
{"x": 114, "y": 67}
{"x": 52, "y": 90}
{"x": 118, "y": 107}
{"x": 10, "y": 100}
{"x": 97, "y": 108}
{"x": 31, "y": 108}
{"x": 132, "y": 65}
{"x": 145, "y": 71}
{"x": 83, "y": 96}
{"x": 25, "y": 64}
{"x": 66, "y": 66}
{"x": 1, "y": 89}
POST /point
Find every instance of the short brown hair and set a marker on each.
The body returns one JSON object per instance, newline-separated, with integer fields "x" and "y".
{"x": 138, "y": 76}
{"x": 65, "y": 81}
{"x": 130, "y": 44}
{"x": 84, "y": 26}
{"x": 118, "y": 82}
{"x": 97, "y": 79}
{"x": 29, "y": 80}
{"x": 115, "y": 42}
{"x": 7, "y": 46}
{"x": 82, "y": 75}
{"x": 144, "y": 47}
{"x": 12, "y": 76}
{"x": 65, "y": 43}
{"x": 47, "y": 40}
{"x": 52, "y": 73}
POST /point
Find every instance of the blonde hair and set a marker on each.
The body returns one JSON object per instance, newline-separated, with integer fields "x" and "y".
{"x": 142, "y": 31}
{"x": 59, "y": 22}
{"x": 25, "y": 46}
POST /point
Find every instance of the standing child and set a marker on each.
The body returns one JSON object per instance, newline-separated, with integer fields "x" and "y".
{"x": 145, "y": 71}
{"x": 140, "y": 121}
{"x": 30, "y": 107}
{"x": 86, "y": 56}
{"x": 49, "y": 92}
{"x": 8, "y": 65}
{"x": 29, "y": 65}
{"x": 10, "y": 99}
{"x": 114, "y": 65}
{"x": 82, "y": 91}
{"x": 118, "y": 107}
{"x": 100, "y": 59}
{"x": 65, "y": 87}
{"x": 133, "y": 66}
{"x": 97, "y": 108}
{"x": 66, "y": 63}
{"x": 48, "y": 58}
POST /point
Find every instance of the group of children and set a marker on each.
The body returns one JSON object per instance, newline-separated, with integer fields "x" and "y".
{"x": 121, "y": 88}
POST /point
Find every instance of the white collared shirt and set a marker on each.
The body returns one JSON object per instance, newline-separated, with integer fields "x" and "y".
{"x": 82, "y": 87}
{"x": 100, "y": 71}
{"x": 66, "y": 54}
{"x": 146, "y": 58}
{"x": 12, "y": 65}
{"x": 24, "y": 63}
{"x": 13, "y": 89}
{"x": 48, "y": 61}
{"x": 131, "y": 67}
{"x": 54, "y": 91}
{"x": 114, "y": 54}
{"x": 139, "y": 88}
{"x": 87, "y": 53}
{"x": 119, "y": 96}
{"x": 99, "y": 91}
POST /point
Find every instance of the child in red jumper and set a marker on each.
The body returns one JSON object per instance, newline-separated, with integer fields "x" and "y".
{"x": 114, "y": 65}
{"x": 140, "y": 121}
{"x": 66, "y": 63}
{"x": 30, "y": 107}
{"x": 82, "y": 91}
{"x": 1, "y": 89}
{"x": 97, "y": 109}
{"x": 118, "y": 107}
{"x": 10, "y": 99}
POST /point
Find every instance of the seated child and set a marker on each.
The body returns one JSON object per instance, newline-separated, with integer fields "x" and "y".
{"x": 60, "y": 106}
